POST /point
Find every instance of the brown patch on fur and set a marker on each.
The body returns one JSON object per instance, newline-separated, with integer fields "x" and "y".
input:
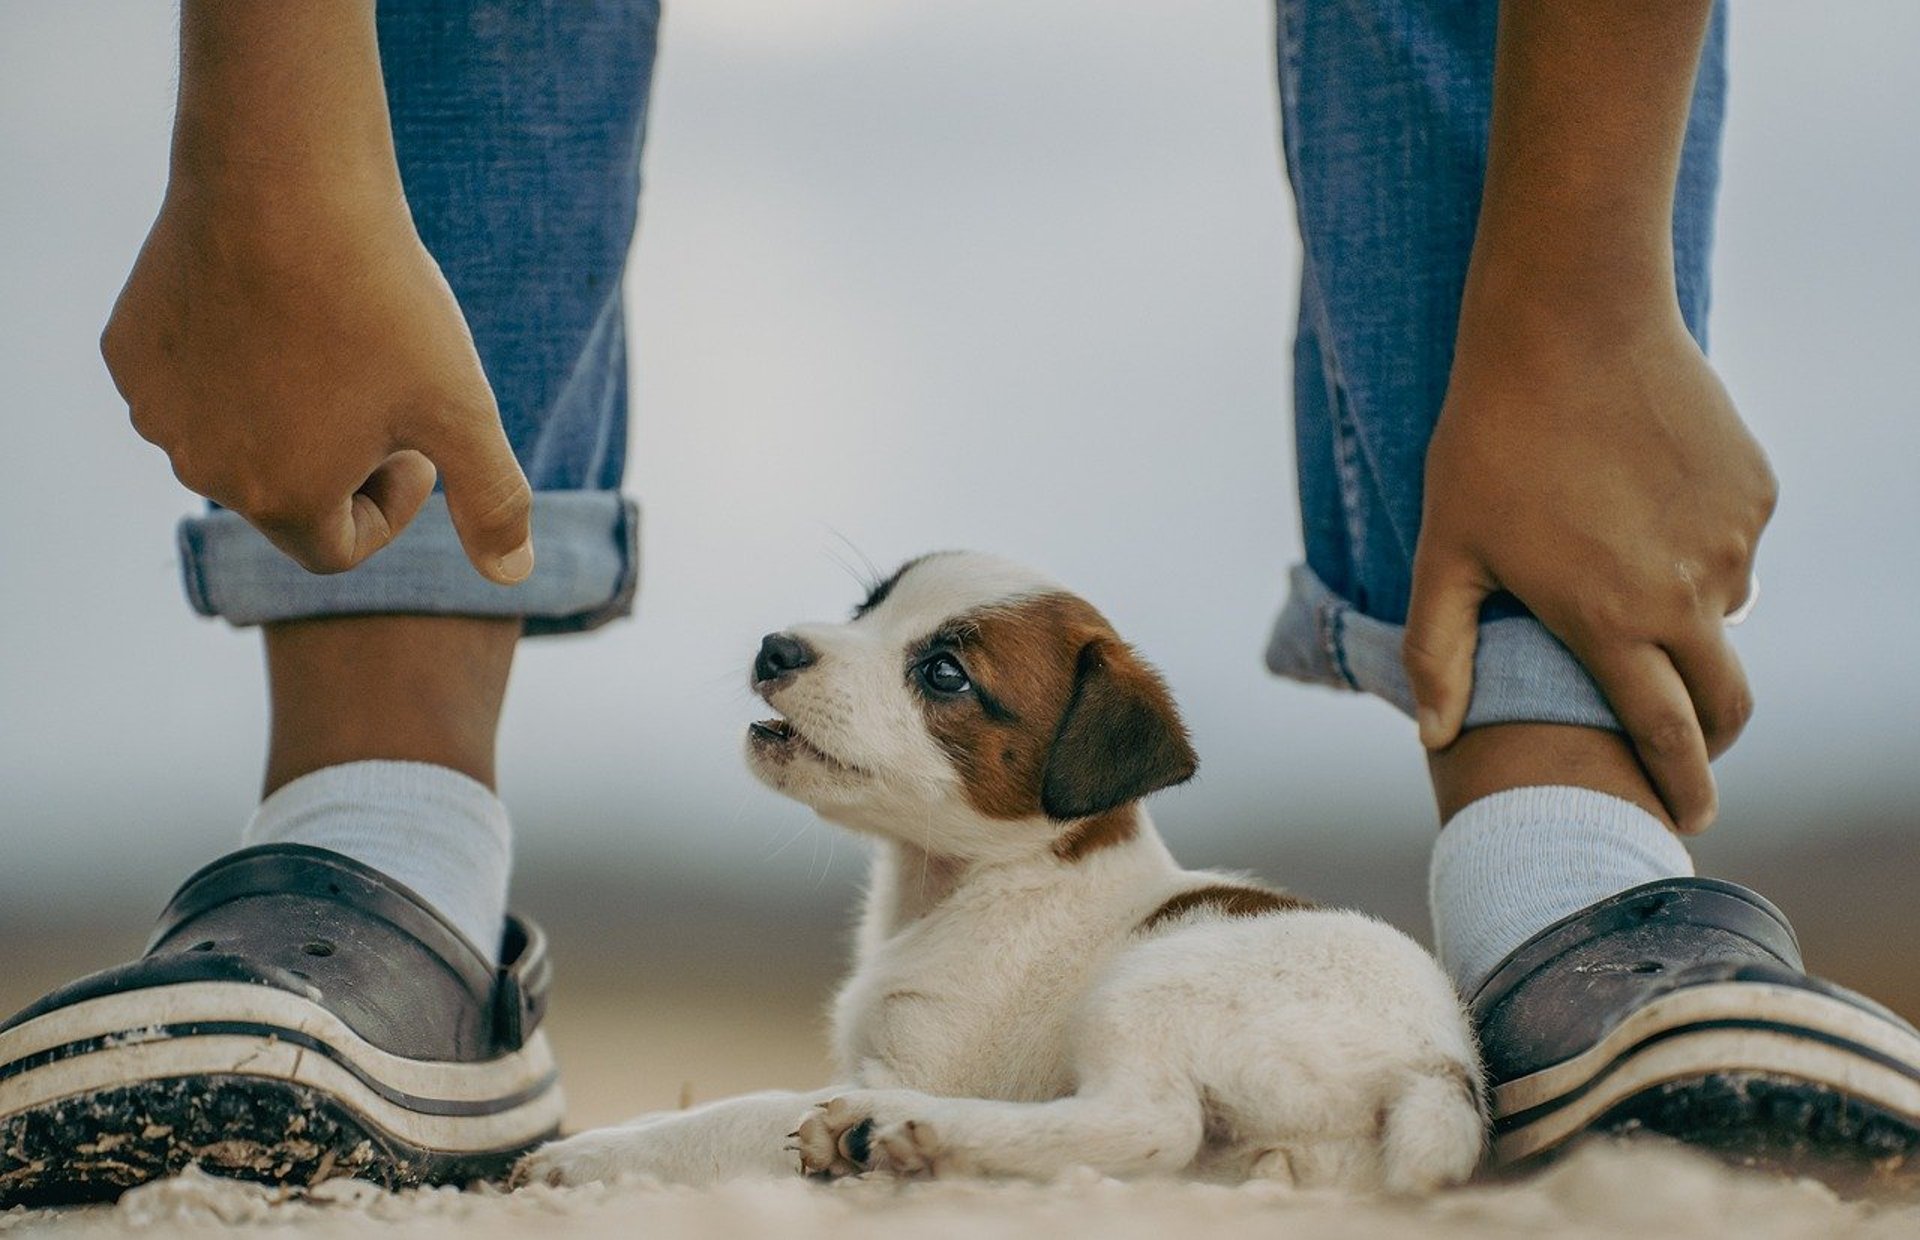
{"x": 1090, "y": 835}
{"x": 1224, "y": 900}
{"x": 1049, "y": 669}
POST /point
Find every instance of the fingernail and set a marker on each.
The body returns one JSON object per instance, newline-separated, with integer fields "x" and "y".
{"x": 517, "y": 564}
{"x": 1429, "y": 720}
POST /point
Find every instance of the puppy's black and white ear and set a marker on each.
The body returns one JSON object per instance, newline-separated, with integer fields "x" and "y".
{"x": 1119, "y": 739}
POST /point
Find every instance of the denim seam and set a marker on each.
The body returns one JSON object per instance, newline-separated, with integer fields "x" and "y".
{"x": 193, "y": 576}
{"x": 1339, "y": 640}
{"x": 1332, "y": 626}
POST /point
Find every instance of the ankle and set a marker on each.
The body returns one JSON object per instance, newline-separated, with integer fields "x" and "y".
{"x": 1506, "y": 756}
{"x": 399, "y": 688}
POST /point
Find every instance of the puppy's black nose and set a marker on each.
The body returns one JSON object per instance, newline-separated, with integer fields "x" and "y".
{"x": 780, "y": 653}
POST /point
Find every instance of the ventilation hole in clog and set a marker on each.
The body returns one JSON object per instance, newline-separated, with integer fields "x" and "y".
{"x": 205, "y": 945}
{"x": 318, "y": 947}
{"x": 1647, "y": 966}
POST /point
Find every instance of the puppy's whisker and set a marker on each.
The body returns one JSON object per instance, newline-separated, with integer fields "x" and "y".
{"x": 804, "y": 829}
{"x": 859, "y": 579}
{"x": 874, "y": 575}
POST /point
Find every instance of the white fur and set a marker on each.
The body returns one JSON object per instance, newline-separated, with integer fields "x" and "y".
{"x": 1007, "y": 1016}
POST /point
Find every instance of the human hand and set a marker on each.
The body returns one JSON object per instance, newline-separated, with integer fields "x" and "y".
{"x": 294, "y": 349}
{"x": 1595, "y": 468}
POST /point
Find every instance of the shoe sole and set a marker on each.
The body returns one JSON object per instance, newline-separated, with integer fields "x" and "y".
{"x": 249, "y": 1081}
{"x": 1771, "y": 1073}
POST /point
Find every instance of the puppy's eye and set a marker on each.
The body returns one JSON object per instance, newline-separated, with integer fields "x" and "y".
{"x": 943, "y": 674}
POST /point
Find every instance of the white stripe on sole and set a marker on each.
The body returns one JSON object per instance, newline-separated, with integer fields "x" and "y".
{"x": 1710, "y": 1051}
{"x": 273, "y": 1059}
{"x": 129, "y": 1017}
{"x": 1785, "y": 1005}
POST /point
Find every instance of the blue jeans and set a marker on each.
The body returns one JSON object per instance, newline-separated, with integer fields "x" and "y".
{"x": 519, "y": 128}
{"x": 1385, "y": 109}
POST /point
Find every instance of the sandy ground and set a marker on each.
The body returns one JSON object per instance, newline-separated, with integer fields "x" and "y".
{"x": 1602, "y": 1191}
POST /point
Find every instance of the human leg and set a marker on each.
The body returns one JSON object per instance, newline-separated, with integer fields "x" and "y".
{"x": 1547, "y": 814}
{"x": 340, "y": 998}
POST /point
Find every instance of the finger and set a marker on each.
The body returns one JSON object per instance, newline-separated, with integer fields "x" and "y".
{"x": 359, "y": 524}
{"x": 319, "y": 544}
{"x": 388, "y": 501}
{"x": 1717, "y": 684}
{"x": 1646, "y": 692}
{"x": 487, "y": 495}
{"x": 1443, "y": 628}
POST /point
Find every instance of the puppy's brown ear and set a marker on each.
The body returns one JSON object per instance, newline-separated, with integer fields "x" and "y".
{"x": 1119, "y": 739}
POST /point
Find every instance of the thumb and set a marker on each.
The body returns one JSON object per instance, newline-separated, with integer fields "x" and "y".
{"x": 1443, "y": 627}
{"x": 487, "y": 495}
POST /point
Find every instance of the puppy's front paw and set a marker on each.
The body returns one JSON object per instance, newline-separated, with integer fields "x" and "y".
{"x": 911, "y": 1148}
{"x": 834, "y": 1138}
{"x": 588, "y": 1158}
{"x": 870, "y": 1131}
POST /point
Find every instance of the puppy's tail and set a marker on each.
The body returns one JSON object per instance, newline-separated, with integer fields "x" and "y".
{"x": 1435, "y": 1130}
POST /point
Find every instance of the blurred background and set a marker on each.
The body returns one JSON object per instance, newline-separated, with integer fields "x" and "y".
{"x": 921, "y": 276}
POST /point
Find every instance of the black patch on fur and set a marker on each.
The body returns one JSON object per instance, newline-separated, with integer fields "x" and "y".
{"x": 878, "y": 594}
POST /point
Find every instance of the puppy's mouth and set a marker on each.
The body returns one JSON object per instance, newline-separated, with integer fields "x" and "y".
{"x": 779, "y": 736}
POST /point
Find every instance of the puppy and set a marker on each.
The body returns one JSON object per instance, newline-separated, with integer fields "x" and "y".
{"x": 1037, "y": 984}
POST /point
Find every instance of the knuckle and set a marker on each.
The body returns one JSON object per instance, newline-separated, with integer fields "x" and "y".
{"x": 326, "y": 559}
{"x": 193, "y": 475}
{"x": 1604, "y": 613}
{"x": 1667, "y": 735}
{"x": 113, "y": 348}
{"x": 1734, "y": 557}
{"x": 1732, "y": 715}
{"x": 299, "y": 542}
{"x": 1767, "y": 495}
{"x": 1418, "y": 651}
{"x": 266, "y": 507}
{"x": 503, "y": 508}
{"x": 276, "y": 507}
{"x": 141, "y": 418}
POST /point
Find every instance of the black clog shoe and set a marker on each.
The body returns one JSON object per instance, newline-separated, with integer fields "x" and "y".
{"x": 298, "y": 1016}
{"x": 1681, "y": 1007}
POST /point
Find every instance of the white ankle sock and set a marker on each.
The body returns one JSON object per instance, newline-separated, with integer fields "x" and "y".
{"x": 442, "y": 834}
{"x": 1512, "y": 864}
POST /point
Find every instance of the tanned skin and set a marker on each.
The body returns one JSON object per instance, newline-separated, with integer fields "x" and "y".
{"x": 1587, "y": 459}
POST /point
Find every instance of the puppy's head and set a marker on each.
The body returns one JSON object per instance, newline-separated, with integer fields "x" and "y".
{"x": 969, "y": 707}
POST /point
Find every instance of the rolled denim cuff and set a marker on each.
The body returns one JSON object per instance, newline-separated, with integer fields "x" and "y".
{"x": 586, "y": 569}
{"x": 1521, "y": 672}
